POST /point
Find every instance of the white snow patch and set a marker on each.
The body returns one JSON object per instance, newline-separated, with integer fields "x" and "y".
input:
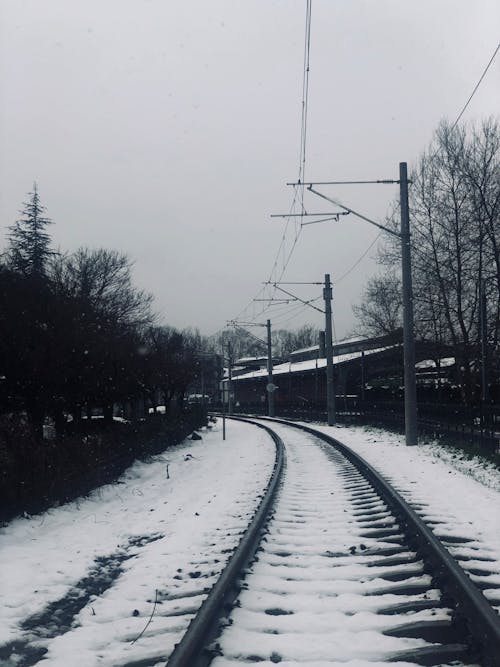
{"x": 173, "y": 536}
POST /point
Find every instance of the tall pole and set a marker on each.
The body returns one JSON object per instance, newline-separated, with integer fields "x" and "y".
{"x": 230, "y": 380}
{"x": 484, "y": 349}
{"x": 270, "y": 384}
{"x": 330, "y": 388}
{"x": 363, "y": 375}
{"x": 223, "y": 397}
{"x": 408, "y": 330}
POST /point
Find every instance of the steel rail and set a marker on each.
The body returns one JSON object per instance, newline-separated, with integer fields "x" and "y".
{"x": 481, "y": 619}
{"x": 189, "y": 651}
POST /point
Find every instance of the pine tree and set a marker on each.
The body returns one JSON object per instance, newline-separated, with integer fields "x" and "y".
{"x": 29, "y": 242}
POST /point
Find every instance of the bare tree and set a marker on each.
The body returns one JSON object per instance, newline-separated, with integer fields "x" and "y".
{"x": 286, "y": 341}
{"x": 454, "y": 209}
{"x": 243, "y": 343}
{"x": 171, "y": 361}
{"x": 102, "y": 280}
{"x": 380, "y": 311}
{"x": 108, "y": 313}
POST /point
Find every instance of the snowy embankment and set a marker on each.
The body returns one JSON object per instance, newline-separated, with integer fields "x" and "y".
{"x": 80, "y": 582}
{"x": 463, "y": 495}
{"x": 314, "y": 593}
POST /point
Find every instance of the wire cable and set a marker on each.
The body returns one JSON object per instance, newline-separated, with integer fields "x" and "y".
{"x": 298, "y": 197}
{"x": 302, "y": 155}
{"x": 476, "y": 86}
{"x": 292, "y": 315}
{"x": 432, "y": 155}
{"x": 305, "y": 101}
{"x": 358, "y": 261}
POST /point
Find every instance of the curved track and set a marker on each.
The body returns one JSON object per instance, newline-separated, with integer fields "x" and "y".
{"x": 204, "y": 625}
{"x": 346, "y": 570}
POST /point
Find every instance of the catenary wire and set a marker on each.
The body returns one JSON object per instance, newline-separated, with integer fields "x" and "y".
{"x": 274, "y": 275}
{"x": 436, "y": 152}
{"x": 291, "y": 316}
{"x": 295, "y": 308}
{"x": 302, "y": 160}
{"x": 476, "y": 86}
{"x": 457, "y": 120}
{"x": 359, "y": 260}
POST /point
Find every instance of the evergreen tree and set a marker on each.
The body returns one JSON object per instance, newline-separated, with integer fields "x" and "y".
{"x": 28, "y": 250}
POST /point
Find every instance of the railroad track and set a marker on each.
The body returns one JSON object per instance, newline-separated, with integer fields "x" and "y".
{"x": 343, "y": 570}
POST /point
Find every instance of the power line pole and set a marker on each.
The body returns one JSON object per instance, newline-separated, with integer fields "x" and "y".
{"x": 270, "y": 383}
{"x": 330, "y": 387}
{"x": 230, "y": 380}
{"x": 327, "y": 295}
{"x": 271, "y": 387}
{"x": 223, "y": 389}
{"x": 483, "y": 329}
{"x": 408, "y": 328}
{"x": 484, "y": 348}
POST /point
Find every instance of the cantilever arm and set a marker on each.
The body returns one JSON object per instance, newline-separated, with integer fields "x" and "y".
{"x": 307, "y": 303}
{"x": 350, "y": 210}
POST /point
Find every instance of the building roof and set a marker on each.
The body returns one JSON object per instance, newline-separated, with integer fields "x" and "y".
{"x": 311, "y": 364}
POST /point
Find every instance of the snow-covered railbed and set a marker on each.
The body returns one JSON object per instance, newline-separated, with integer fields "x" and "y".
{"x": 333, "y": 568}
{"x": 80, "y": 582}
{"x": 458, "y": 498}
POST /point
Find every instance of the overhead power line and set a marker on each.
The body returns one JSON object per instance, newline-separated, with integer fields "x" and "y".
{"x": 305, "y": 98}
{"x": 302, "y": 155}
{"x": 292, "y": 228}
{"x": 477, "y": 85}
{"x": 464, "y": 108}
{"x": 359, "y": 260}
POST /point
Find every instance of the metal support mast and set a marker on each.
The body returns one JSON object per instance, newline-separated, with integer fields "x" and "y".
{"x": 484, "y": 341}
{"x": 330, "y": 387}
{"x": 408, "y": 329}
{"x": 230, "y": 380}
{"x": 270, "y": 383}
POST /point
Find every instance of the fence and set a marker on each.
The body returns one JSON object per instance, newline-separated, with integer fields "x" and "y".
{"x": 473, "y": 425}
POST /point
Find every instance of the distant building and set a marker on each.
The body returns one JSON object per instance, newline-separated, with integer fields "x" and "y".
{"x": 364, "y": 368}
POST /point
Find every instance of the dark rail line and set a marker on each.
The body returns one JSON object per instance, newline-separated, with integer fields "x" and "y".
{"x": 471, "y": 605}
{"x": 475, "y": 620}
{"x": 204, "y": 626}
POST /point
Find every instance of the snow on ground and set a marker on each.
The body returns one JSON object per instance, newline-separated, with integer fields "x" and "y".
{"x": 82, "y": 580}
{"x": 312, "y": 596}
{"x": 479, "y": 469}
{"x": 464, "y": 495}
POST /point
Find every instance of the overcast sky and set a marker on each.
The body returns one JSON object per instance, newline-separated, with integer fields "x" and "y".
{"x": 168, "y": 130}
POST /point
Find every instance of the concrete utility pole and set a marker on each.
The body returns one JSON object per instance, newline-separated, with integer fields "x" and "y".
{"x": 483, "y": 328}
{"x": 270, "y": 383}
{"x": 222, "y": 386}
{"x": 271, "y": 387}
{"x": 330, "y": 387}
{"x": 484, "y": 342}
{"x": 329, "y": 354}
{"x": 229, "y": 380}
{"x": 408, "y": 328}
